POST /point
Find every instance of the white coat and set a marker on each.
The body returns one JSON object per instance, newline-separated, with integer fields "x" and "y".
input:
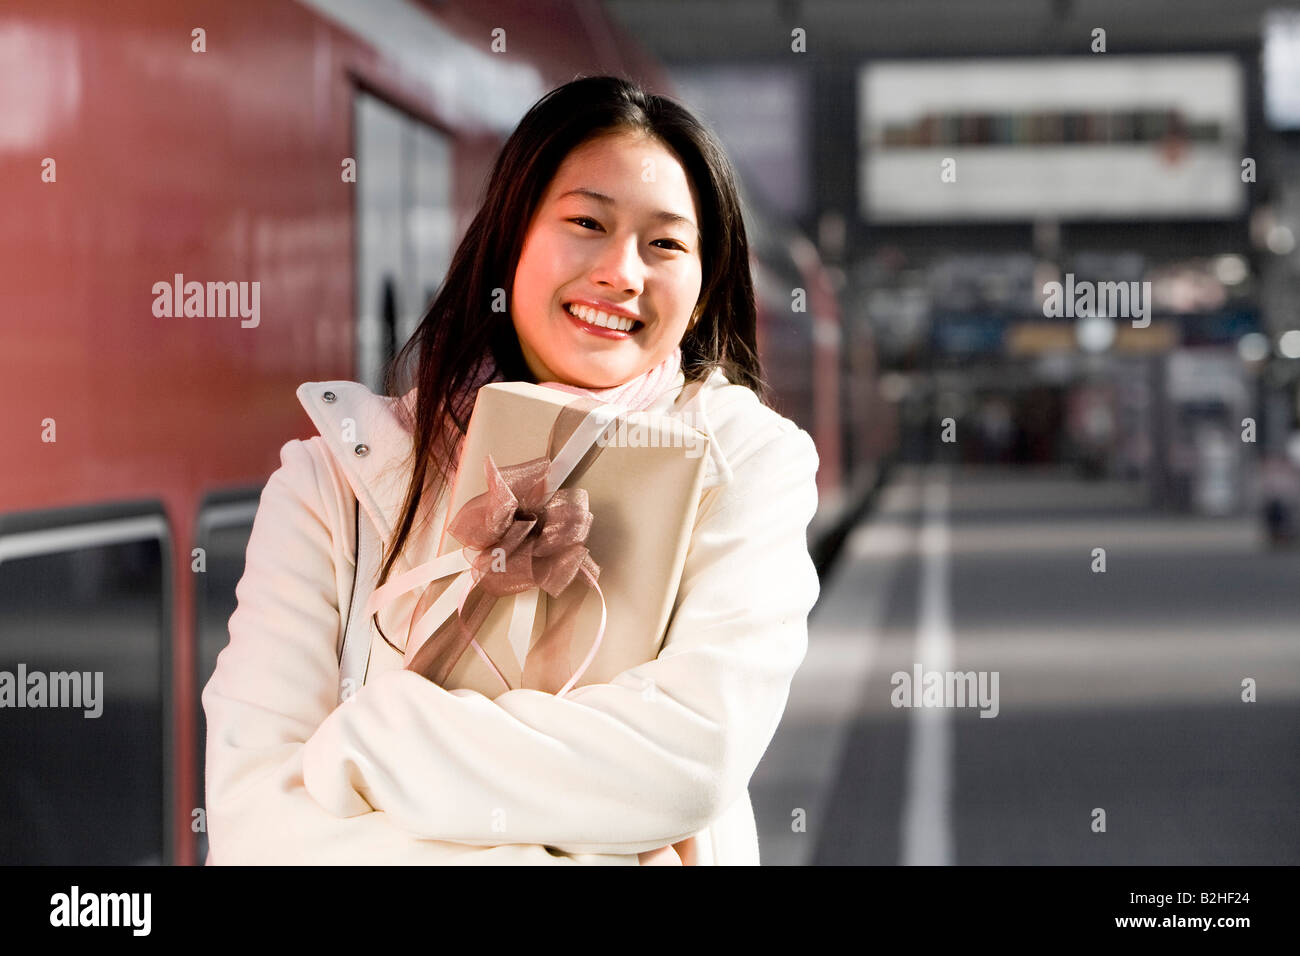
{"x": 408, "y": 772}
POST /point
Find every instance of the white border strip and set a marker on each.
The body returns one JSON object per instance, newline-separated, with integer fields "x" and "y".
{"x": 27, "y": 544}
{"x": 927, "y": 817}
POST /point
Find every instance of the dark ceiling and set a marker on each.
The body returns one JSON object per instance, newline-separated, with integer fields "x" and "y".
{"x": 719, "y": 30}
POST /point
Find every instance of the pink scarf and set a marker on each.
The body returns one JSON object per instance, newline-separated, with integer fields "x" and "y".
{"x": 639, "y": 393}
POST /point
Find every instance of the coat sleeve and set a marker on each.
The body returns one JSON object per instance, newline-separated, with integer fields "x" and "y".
{"x": 648, "y": 759}
{"x": 276, "y": 682}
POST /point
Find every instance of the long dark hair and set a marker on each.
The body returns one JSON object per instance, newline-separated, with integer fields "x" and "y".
{"x": 466, "y": 337}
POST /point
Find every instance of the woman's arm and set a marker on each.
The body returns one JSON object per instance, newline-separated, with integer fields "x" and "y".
{"x": 646, "y": 760}
{"x": 276, "y": 681}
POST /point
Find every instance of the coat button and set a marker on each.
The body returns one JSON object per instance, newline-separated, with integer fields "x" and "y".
{"x": 328, "y": 396}
{"x": 361, "y": 450}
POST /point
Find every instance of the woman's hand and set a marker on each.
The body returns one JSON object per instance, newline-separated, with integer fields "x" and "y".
{"x": 681, "y": 853}
{"x": 664, "y": 856}
{"x": 687, "y": 851}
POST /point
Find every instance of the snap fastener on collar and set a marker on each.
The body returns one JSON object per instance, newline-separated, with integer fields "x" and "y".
{"x": 361, "y": 450}
{"x": 329, "y": 396}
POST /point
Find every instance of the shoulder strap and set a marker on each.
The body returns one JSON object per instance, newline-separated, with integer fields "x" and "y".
{"x": 354, "y": 646}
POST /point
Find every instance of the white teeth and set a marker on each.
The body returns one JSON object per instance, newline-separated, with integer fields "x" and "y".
{"x": 595, "y": 317}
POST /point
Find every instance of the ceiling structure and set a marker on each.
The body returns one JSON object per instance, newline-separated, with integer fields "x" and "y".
{"x": 730, "y": 30}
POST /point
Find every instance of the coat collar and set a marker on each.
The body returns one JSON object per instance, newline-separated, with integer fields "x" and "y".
{"x": 370, "y": 440}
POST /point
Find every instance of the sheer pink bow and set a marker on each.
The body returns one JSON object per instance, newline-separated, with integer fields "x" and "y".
{"x": 524, "y": 539}
{"x": 522, "y": 536}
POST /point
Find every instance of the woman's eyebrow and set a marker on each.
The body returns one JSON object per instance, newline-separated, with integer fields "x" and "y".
{"x": 662, "y": 215}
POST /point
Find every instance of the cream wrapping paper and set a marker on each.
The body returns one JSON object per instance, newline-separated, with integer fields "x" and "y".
{"x": 643, "y": 479}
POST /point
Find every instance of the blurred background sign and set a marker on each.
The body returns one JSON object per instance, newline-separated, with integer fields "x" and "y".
{"x": 1080, "y": 137}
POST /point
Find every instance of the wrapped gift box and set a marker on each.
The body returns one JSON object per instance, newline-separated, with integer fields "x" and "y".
{"x": 642, "y": 480}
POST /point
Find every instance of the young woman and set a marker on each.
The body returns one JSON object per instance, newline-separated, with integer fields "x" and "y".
{"x": 609, "y": 257}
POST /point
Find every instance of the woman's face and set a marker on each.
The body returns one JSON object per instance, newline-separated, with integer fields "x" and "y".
{"x": 635, "y": 253}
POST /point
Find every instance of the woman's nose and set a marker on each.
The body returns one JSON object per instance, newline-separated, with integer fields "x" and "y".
{"x": 620, "y": 266}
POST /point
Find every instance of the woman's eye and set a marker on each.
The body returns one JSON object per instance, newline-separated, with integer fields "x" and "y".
{"x": 675, "y": 247}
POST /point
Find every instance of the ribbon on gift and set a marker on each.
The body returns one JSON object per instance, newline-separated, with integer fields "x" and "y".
{"x": 540, "y": 530}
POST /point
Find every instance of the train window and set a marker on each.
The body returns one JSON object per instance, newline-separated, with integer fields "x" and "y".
{"x": 405, "y": 226}
{"x": 224, "y": 525}
{"x": 82, "y": 690}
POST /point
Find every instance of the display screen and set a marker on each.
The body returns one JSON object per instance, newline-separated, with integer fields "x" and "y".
{"x": 1281, "y": 65}
{"x": 1084, "y": 137}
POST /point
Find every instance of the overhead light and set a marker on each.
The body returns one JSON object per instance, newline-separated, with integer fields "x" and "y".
{"x": 1231, "y": 270}
{"x": 1095, "y": 333}
{"x": 1281, "y": 240}
{"x": 1293, "y": 449}
{"x": 1253, "y": 347}
{"x": 1289, "y": 344}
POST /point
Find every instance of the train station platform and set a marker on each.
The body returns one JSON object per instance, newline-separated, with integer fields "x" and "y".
{"x": 1158, "y": 699}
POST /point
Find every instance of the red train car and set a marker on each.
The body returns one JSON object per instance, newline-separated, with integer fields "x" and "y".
{"x": 148, "y": 145}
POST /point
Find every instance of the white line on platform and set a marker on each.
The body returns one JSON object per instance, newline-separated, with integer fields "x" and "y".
{"x": 927, "y": 818}
{"x": 826, "y": 695}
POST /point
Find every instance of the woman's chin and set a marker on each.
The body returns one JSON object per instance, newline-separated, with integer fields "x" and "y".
{"x": 594, "y": 376}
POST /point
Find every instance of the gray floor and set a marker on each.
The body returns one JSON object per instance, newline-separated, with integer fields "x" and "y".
{"x": 1119, "y": 693}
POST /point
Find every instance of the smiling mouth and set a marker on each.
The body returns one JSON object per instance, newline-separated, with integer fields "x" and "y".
{"x": 602, "y": 320}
